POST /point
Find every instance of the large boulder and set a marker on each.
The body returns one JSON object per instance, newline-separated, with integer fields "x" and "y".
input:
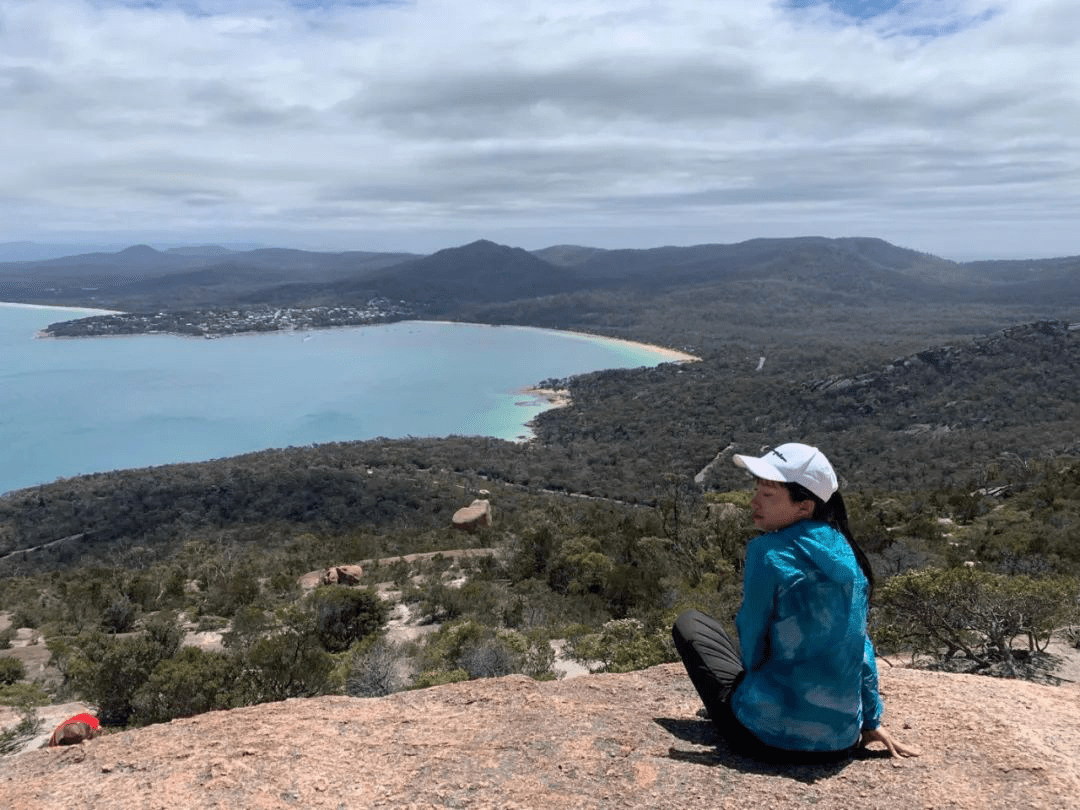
{"x": 335, "y": 575}
{"x": 472, "y": 517}
{"x": 343, "y": 575}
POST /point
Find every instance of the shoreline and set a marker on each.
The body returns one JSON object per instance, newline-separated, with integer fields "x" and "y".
{"x": 553, "y": 397}
{"x": 95, "y": 310}
{"x": 546, "y": 398}
{"x": 520, "y": 400}
{"x": 672, "y": 355}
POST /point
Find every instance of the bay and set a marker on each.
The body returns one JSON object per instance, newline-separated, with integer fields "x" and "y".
{"x": 75, "y": 406}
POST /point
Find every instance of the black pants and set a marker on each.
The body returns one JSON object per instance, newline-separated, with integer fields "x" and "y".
{"x": 713, "y": 662}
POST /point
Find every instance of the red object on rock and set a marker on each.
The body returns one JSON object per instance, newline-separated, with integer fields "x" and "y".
{"x": 75, "y": 730}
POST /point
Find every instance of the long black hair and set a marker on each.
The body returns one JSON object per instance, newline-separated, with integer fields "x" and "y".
{"x": 834, "y": 512}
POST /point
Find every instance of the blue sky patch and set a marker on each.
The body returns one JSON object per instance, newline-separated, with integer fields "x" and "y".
{"x": 860, "y": 9}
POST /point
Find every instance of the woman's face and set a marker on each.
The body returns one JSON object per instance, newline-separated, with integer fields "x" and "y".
{"x": 771, "y": 508}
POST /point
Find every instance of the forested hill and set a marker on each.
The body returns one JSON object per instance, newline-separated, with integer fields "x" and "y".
{"x": 141, "y": 279}
{"x": 943, "y": 416}
{"x": 809, "y": 288}
{"x": 965, "y": 416}
{"x": 481, "y": 272}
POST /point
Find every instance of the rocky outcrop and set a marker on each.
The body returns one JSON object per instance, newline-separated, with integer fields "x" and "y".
{"x": 343, "y": 575}
{"x": 335, "y": 575}
{"x": 473, "y": 517}
{"x": 598, "y": 741}
{"x": 943, "y": 390}
{"x": 1045, "y": 338}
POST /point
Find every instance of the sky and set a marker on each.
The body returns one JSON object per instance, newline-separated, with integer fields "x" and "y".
{"x": 947, "y": 126}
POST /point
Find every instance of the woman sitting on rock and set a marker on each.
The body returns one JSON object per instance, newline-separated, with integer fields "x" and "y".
{"x": 805, "y": 685}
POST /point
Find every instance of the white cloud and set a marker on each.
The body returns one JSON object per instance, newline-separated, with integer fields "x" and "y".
{"x": 950, "y": 126}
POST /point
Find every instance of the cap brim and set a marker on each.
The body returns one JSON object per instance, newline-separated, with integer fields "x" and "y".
{"x": 759, "y": 468}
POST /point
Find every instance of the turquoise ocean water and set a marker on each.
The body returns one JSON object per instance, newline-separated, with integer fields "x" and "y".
{"x": 75, "y": 406}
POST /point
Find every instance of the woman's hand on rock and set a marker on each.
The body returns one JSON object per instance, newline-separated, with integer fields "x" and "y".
{"x": 885, "y": 738}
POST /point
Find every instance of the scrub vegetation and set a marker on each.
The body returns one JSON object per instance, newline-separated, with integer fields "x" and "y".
{"x": 973, "y": 579}
{"x": 952, "y": 423}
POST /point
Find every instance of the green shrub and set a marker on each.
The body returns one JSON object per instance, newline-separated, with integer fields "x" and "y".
{"x": 399, "y": 572}
{"x": 191, "y": 682}
{"x": 622, "y": 645}
{"x": 1071, "y": 635}
{"x": 288, "y": 662}
{"x": 491, "y": 658}
{"x": 108, "y": 671}
{"x": 951, "y": 613}
{"x": 532, "y": 653}
{"x": 580, "y": 567}
{"x": 119, "y": 615}
{"x": 346, "y": 615}
{"x": 26, "y": 616}
{"x": 442, "y": 602}
{"x": 248, "y": 624}
{"x": 23, "y": 694}
{"x": 439, "y": 677}
{"x": 11, "y": 670}
{"x": 231, "y": 590}
{"x": 445, "y": 648}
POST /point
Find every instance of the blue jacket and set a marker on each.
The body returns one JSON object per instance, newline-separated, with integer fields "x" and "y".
{"x": 811, "y": 682}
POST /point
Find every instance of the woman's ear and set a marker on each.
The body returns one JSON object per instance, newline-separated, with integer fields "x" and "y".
{"x": 805, "y": 509}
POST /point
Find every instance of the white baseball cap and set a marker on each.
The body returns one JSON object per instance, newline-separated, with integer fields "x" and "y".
{"x": 796, "y": 464}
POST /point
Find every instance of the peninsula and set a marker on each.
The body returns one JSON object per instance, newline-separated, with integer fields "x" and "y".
{"x": 211, "y": 323}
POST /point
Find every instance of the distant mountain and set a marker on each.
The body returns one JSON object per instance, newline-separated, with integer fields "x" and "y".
{"x": 479, "y": 272}
{"x": 665, "y": 266}
{"x": 201, "y": 250}
{"x": 485, "y": 272}
{"x": 87, "y": 279}
{"x": 686, "y": 295}
{"x": 567, "y": 255}
{"x": 142, "y": 256}
{"x": 141, "y": 278}
{"x": 26, "y": 251}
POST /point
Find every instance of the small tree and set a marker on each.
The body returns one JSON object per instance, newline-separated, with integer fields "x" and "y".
{"x": 976, "y": 615}
{"x": 491, "y": 658}
{"x": 191, "y": 682}
{"x": 622, "y": 645}
{"x": 346, "y": 615}
{"x": 532, "y": 653}
{"x": 119, "y": 615}
{"x": 108, "y": 671}
{"x": 376, "y": 671}
{"x": 289, "y": 662}
{"x": 11, "y": 670}
{"x": 444, "y": 649}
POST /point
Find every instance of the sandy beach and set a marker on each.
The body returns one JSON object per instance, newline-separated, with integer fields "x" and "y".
{"x": 670, "y": 355}
{"x": 84, "y": 312}
{"x": 91, "y": 310}
{"x": 560, "y": 398}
